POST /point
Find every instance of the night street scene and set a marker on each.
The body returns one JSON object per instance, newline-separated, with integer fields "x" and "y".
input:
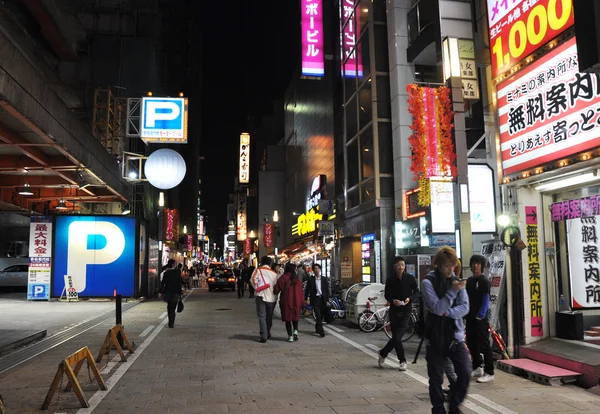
{"x": 299, "y": 206}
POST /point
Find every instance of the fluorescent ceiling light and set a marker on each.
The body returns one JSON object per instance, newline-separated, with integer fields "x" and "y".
{"x": 26, "y": 190}
{"x": 567, "y": 182}
{"x": 126, "y": 212}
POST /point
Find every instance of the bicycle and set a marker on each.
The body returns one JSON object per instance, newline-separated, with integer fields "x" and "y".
{"x": 370, "y": 321}
{"x": 410, "y": 328}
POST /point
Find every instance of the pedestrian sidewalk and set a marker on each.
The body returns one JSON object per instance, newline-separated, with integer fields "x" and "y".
{"x": 212, "y": 362}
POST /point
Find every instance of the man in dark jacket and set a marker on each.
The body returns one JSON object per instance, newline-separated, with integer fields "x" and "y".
{"x": 171, "y": 289}
{"x": 239, "y": 275}
{"x": 317, "y": 288}
{"x": 399, "y": 292}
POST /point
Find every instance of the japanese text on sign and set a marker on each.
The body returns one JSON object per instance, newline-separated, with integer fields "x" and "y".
{"x": 549, "y": 112}
{"x": 584, "y": 259}
{"x": 495, "y": 253}
{"x": 351, "y": 33}
{"x": 268, "y": 235}
{"x": 533, "y": 263}
{"x": 241, "y": 217}
{"x": 244, "y": 158}
{"x": 313, "y": 59}
{"x": 40, "y": 256}
{"x": 573, "y": 209}
{"x": 518, "y": 28}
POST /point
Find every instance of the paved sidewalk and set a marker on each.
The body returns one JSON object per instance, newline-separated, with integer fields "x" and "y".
{"x": 212, "y": 362}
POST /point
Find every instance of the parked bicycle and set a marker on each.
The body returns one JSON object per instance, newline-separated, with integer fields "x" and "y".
{"x": 374, "y": 320}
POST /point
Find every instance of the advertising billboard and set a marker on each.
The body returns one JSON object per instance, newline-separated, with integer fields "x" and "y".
{"x": 313, "y": 55}
{"x": 351, "y": 33}
{"x": 244, "y": 158}
{"x": 164, "y": 120}
{"x": 519, "y": 27}
{"x": 548, "y": 111}
{"x": 242, "y": 230}
{"x": 98, "y": 252}
{"x": 40, "y": 257}
{"x": 584, "y": 269}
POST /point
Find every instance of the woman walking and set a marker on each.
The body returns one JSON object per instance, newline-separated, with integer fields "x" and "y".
{"x": 291, "y": 301}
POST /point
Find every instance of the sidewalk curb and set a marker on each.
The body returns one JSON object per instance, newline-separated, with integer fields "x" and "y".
{"x": 4, "y": 349}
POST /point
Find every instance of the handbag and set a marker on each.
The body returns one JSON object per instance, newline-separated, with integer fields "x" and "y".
{"x": 260, "y": 283}
{"x": 179, "y": 305}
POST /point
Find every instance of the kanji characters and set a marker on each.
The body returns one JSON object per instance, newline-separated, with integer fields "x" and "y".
{"x": 516, "y": 119}
{"x": 556, "y": 100}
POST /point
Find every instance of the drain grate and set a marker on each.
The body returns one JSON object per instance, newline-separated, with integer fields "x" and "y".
{"x": 224, "y": 309}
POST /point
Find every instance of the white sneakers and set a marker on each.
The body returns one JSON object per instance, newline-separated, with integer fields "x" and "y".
{"x": 380, "y": 361}
{"x": 477, "y": 373}
{"x": 402, "y": 366}
{"x": 485, "y": 378}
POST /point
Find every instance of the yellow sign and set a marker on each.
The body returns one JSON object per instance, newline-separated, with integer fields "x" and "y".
{"x": 307, "y": 222}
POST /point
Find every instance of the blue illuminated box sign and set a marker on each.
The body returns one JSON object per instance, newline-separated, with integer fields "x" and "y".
{"x": 164, "y": 120}
{"x": 366, "y": 238}
{"x": 98, "y": 252}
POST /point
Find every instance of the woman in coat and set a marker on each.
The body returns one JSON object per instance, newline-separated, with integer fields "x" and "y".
{"x": 291, "y": 300}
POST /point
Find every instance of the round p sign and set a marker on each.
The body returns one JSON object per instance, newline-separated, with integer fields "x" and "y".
{"x": 165, "y": 168}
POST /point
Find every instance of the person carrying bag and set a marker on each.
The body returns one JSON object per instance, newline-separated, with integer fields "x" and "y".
{"x": 264, "y": 280}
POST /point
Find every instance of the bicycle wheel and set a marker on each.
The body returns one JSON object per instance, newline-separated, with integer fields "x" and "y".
{"x": 410, "y": 328}
{"x": 386, "y": 326}
{"x": 367, "y": 321}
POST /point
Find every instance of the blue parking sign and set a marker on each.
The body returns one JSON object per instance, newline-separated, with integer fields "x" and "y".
{"x": 164, "y": 120}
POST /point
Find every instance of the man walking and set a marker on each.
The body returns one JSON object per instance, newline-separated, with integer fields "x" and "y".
{"x": 447, "y": 303}
{"x": 171, "y": 289}
{"x": 265, "y": 298}
{"x": 478, "y": 336}
{"x": 239, "y": 275}
{"x": 317, "y": 288}
{"x": 399, "y": 290}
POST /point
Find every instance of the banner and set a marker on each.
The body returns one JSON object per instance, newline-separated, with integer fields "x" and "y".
{"x": 495, "y": 253}
{"x": 40, "y": 258}
{"x": 584, "y": 267}
{"x": 533, "y": 263}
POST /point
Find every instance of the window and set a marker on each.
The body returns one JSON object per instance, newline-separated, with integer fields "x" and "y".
{"x": 351, "y": 118}
{"x": 363, "y": 52}
{"x": 352, "y": 163}
{"x": 386, "y": 187}
{"x": 386, "y": 152}
{"x": 353, "y": 198}
{"x": 349, "y": 78}
{"x": 362, "y": 11}
{"x": 366, "y": 152}
{"x": 384, "y": 109}
{"x": 381, "y": 49}
{"x": 368, "y": 191}
{"x": 365, "y": 105}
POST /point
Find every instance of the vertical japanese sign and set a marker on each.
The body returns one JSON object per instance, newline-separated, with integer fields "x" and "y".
{"x": 584, "y": 269}
{"x": 268, "y": 237}
{"x": 468, "y": 69}
{"x": 244, "y": 158}
{"x": 350, "y": 35}
{"x": 548, "y": 111}
{"x": 495, "y": 253}
{"x": 533, "y": 263}
{"x": 241, "y": 218}
{"x": 190, "y": 242}
{"x": 313, "y": 59}
{"x": 171, "y": 225}
{"x": 40, "y": 258}
{"x": 248, "y": 246}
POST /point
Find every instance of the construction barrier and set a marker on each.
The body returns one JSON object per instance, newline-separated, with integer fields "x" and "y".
{"x": 2, "y": 407}
{"x": 66, "y": 367}
{"x": 112, "y": 341}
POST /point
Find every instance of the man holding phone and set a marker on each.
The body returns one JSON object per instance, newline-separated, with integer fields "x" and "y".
{"x": 399, "y": 291}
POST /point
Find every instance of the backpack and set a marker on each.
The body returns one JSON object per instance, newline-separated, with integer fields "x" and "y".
{"x": 439, "y": 330}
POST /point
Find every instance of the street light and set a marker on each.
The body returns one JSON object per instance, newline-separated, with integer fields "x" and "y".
{"x": 275, "y": 216}
{"x": 184, "y": 229}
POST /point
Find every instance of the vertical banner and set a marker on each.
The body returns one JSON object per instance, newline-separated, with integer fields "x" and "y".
{"x": 244, "y": 158}
{"x": 495, "y": 253}
{"x": 248, "y": 247}
{"x": 40, "y": 258}
{"x": 351, "y": 34}
{"x": 313, "y": 59}
{"x": 584, "y": 269}
{"x": 533, "y": 262}
{"x": 241, "y": 218}
{"x": 190, "y": 242}
{"x": 268, "y": 237}
{"x": 171, "y": 225}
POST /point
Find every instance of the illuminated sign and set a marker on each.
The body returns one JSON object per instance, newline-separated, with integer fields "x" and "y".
{"x": 171, "y": 225}
{"x": 98, "y": 252}
{"x": 549, "y": 111}
{"x": 190, "y": 243}
{"x": 244, "y": 158}
{"x": 248, "y": 246}
{"x": 442, "y": 207}
{"x": 40, "y": 257}
{"x": 351, "y": 33}
{"x": 366, "y": 238}
{"x": 165, "y": 169}
{"x": 307, "y": 222}
{"x": 164, "y": 120}
{"x": 482, "y": 205}
{"x": 413, "y": 209}
{"x": 268, "y": 235}
{"x": 584, "y": 269}
{"x": 317, "y": 189}
{"x": 200, "y": 225}
{"x": 241, "y": 218}
{"x": 313, "y": 56}
{"x": 519, "y": 27}
{"x": 468, "y": 68}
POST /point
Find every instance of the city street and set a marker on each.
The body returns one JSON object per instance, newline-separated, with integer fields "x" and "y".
{"x": 212, "y": 362}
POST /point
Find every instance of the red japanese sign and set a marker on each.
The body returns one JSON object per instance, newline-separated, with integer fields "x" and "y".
{"x": 268, "y": 235}
{"x": 190, "y": 243}
{"x": 171, "y": 224}
{"x": 518, "y": 28}
{"x": 548, "y": 111}
{"x": 248, "y": 246}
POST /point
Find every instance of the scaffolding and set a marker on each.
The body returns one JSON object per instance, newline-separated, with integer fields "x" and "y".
{"x": 108, "y": 120}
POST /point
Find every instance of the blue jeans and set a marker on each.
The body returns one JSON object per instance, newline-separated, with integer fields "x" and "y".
{"x": 264, "y": 310}
{"x": 459, "y": 355}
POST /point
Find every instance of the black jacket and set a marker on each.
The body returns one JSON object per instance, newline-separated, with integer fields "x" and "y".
{"x": 311, "y": 289}
{"x": 171, "y": 283}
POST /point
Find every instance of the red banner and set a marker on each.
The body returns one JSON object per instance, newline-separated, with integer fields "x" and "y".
{"x": 171, "y": 224}
{"x": 248, "y": 246}
{"x": 268, "y": 235}
{"x": 190, "y": 243}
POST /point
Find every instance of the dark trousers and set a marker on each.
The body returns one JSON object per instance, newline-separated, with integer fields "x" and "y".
{"x": 172, "y": 300}
{"x": 459, "y": 356}
{"x": 398, "y": 324}
{"x": 264, "y": 310}
{"x": 240, "y": 289}
{"x": 288, "y": 327}
{"x": 251, "y": 289}
{"x": 478, "y": 341}
{"x": 319, "y": 310}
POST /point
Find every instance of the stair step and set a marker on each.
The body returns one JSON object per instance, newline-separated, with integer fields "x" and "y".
{"x": 592, "y": 333}
{"x": 538, "y": 371}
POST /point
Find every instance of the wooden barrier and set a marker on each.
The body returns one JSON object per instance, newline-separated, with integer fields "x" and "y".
{"x": 66, "y": 367}
{"x": 2, "y": 407}
{"x": 112, "y": 341}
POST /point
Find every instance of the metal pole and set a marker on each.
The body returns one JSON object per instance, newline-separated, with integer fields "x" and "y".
{"x": 462, "y": 216}
{"x": 119, "y": 316}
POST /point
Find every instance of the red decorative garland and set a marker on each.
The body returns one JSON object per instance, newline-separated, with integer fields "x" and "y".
{"x": 432, "y": 147}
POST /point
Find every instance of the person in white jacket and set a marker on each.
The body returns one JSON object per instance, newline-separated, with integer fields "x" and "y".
{"x": 265, "y": 297}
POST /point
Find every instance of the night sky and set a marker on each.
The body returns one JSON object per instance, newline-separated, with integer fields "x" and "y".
{"x": 250, "y": 50}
